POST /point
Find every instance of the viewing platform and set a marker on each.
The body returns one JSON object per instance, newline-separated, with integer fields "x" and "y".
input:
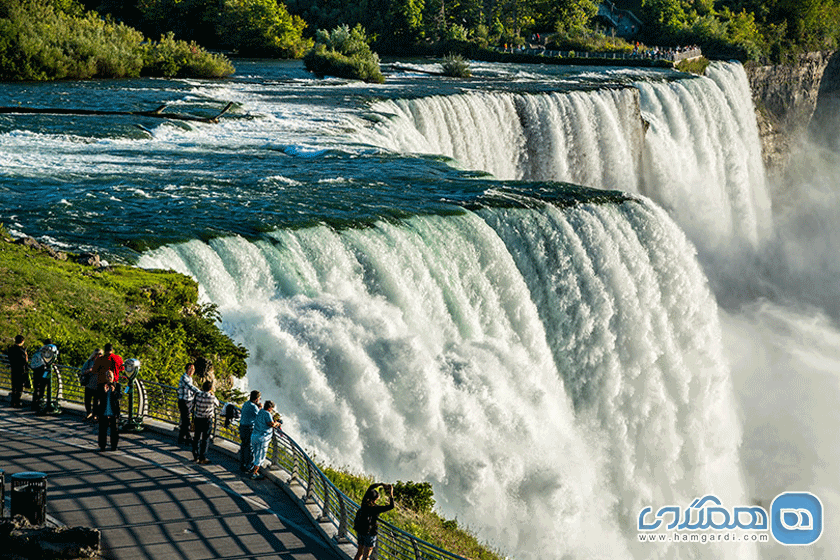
{"x": 654, "y": 56}
{"x": 150, "y": 501}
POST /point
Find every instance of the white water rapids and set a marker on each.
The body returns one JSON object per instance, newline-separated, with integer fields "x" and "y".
{"x": 553, "y": 370}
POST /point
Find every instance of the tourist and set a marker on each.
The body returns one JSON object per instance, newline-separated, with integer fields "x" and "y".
{"x": 89, "y": 382}
{"x": 108, "y": 361}
{"x": 246, "y": 427}
{"x": 108, "y": 399}
{"x": 186, "y": 393}
{"x": 18, "y": 359}
{"x": 264, "y": 425}
{"x": 204, "y": 411}
{"x": 367, "y": 519}
{"x": 41, "y": 363}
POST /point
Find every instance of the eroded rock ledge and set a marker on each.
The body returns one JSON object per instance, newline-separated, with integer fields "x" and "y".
{"x": 794, "y": 101}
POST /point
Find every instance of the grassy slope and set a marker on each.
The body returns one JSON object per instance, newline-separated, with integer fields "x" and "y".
{"x": 429, "y": 526}
{"x": 150, "y": 315}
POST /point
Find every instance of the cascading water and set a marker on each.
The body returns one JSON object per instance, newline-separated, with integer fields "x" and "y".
{"x": 550, "y": 370}
{"x": 691, "y": 145}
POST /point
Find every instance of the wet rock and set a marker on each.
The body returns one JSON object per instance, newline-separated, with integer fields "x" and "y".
{"x": 89, "y": 259}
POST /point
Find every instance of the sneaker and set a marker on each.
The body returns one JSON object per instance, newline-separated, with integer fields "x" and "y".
{"x": 257, "y": 476}
{"x": 203, "y": 461}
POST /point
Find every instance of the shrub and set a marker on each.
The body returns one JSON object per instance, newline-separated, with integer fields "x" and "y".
{"x": 456, "y": 66}
{"x": 49, "y": 41}
{"x": 151, "y": 315}
{"x": 171, "y": 58}
{"x": 344, "y": 53}
{"x": 695, "y": 65}
{"x": 416, "y": 496}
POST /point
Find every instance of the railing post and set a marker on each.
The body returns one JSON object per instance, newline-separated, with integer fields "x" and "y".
{"x": 416, "y": 548}
{"x": 309, "y": 481}
{"x": 341, "y": 536}
{"x": 59, "y": 383}
{"x": 272, "y": 456}
{"x": 295, "y": 469}
{"x": 325, "y": 511}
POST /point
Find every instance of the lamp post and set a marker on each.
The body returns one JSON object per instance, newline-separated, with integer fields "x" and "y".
{"x": 133, "y": 424}
{"x": 50, "y": 354}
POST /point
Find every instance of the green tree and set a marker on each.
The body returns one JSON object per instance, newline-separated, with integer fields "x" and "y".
{"x": 573, "y": 16}
{"x": 346, "y": 53}
{"x": 262, "y": 28}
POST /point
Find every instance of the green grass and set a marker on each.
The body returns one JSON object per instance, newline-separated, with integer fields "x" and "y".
{"x": 695, "y": 65}
{"x": 150, "y": 315}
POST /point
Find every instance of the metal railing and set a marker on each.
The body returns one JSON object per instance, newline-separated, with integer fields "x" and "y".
{"x": 653, "y": 54}
{"x": 160, "y": 402}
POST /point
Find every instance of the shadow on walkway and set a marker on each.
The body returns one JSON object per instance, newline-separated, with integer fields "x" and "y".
{"x": 149, "y": 501}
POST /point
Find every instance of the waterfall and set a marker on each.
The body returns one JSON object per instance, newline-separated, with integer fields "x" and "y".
{"x": 691, "y": 145}
{"x": 550, "y": 370}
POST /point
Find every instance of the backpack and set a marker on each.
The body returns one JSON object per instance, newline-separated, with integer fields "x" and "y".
{"x": 361, "y": 523}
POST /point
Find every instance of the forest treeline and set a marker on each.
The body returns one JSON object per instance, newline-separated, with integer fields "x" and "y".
{"x": 745, "y": 29}
{"x": 47, "y": 39}
{"x": 57, "y": 39}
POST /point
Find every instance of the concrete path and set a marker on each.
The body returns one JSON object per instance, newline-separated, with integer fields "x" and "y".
{"x": 149, "y": 500}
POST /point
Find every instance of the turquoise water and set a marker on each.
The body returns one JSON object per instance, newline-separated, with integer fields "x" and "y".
{"x": 287, "y": 155}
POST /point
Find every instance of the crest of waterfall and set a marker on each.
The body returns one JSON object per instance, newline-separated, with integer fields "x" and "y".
{"x": 690, "y": 144}
{"x": 551, "y": 371}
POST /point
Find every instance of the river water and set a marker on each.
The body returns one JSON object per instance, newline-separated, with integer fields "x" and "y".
{"x": 559, "y": 294}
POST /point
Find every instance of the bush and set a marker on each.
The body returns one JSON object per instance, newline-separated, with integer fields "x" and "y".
{"x": 39, "y": 41}
{"x": 695, "y": 65}
{"x": 170, "y": 58}
{"x": 416, "y": 496}
{"x": 344, "y": 53}
{"x": 456, "y": 66}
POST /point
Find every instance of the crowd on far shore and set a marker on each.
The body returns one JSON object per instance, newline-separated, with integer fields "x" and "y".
{"x": 639, "y": 52}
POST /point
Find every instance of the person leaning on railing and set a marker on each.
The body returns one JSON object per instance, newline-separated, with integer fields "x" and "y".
{"x": 246, "y": 427}
{"x": 264, "y": 425}
{"x": 90, "y": 383}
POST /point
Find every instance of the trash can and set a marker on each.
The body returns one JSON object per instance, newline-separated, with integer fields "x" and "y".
{"x": 29, "y": 496}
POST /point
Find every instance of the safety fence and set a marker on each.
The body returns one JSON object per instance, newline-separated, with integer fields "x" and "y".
{"x": 652, "y": 54}
{"x": 160, "y": 402}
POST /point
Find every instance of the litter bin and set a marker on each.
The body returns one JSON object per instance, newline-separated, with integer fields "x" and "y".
{"x": 29, "y": 496}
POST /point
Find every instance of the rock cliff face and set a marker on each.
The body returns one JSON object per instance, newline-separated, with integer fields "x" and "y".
{"x": 787, "y": 97}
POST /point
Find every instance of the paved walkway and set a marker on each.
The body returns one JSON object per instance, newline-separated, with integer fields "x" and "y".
{"x": 149, "y": 501}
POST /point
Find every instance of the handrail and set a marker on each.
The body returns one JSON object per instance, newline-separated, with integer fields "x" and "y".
{"x": 652, "y": 54}
{"x": 160, "y": 402}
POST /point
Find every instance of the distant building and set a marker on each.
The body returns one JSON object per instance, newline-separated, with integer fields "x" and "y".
{"x": 621, "y": 23}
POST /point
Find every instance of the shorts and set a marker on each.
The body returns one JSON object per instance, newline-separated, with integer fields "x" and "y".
{"x": 368, "y": 541}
